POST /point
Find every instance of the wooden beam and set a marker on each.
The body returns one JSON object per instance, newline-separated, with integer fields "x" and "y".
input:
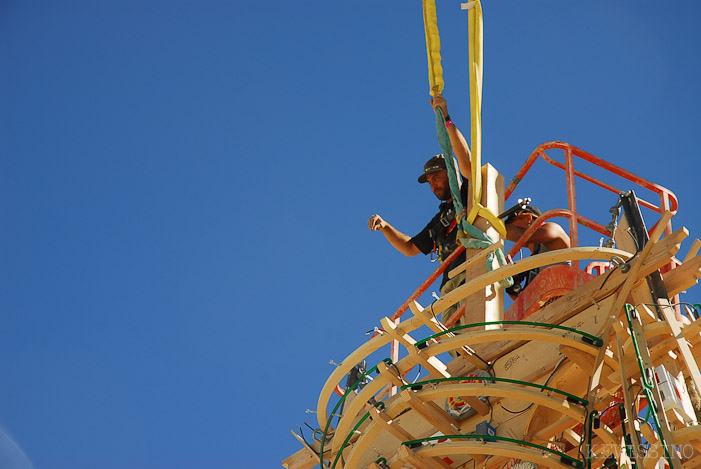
{"x": 629, "y": 403}
{"x": 386, "y": 423}
{"x": 644, "y": 355}
{"x": 301, "y": 460}
{"x": 682, "y": 345}
{"x": 617, "y": 308}
{"x": 432, "y": 364}
{"x": 648, "y": 433}
{"x": 408, "y": 456}
{"x": 586, "y": 362}
{"x": 654, "y": 453}
{"x": 432, "y": 413}
{"x": 693, "y": 250}
{"x": 683, "y": 277}
{"x": 486, "y": 304}
{"x": 436, "y": 326}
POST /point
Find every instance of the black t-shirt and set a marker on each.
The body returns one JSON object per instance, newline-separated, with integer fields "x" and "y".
{"x": 441, "y": 233}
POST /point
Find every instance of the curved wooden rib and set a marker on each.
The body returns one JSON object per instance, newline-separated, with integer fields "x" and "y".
{"x": 348, "y": 418}
{"x": 532, "y": 262}
{"x": 479, "y": 336}
{"x": 443, "y": 391}
{"x": 505, "y": 390}
{"x": 356, "y": 407}
{"x": 509, "y": 450}
{"x": 517, "y": 333}
{"x": 463, "y": 291}
{"x": 663, "y": 328}
{"x": 358, "y": 355}
{"x": 370, "y": 434}
{"x": 498, "y": 389}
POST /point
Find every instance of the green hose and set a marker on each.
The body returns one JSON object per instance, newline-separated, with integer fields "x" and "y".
{"x": 596, "y": 341}
{"x": 571, "y": 397}
{"x": 574, "y": 462}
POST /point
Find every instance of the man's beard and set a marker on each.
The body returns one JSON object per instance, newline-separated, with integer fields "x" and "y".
{"x": 444, "y": 194}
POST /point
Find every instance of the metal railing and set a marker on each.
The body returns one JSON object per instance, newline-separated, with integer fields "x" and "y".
{"x": 667, "y": 199}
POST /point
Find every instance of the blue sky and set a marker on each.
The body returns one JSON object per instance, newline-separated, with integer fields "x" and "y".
{"x": 184, "y": 190}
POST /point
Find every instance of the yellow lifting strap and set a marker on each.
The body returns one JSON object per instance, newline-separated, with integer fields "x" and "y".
{"x": 435, "y": 78}
{"x": 433, "y": 48}
{"x": 475, "y": 34}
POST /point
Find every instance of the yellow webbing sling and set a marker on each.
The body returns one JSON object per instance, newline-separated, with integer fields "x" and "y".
{"x": 435, "y": 77}
{"x": 433, "y": 48}
{"x": 476, "y": 35}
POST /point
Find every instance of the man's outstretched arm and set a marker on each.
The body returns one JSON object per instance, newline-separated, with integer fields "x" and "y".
{"x": 457, "y": 140}
{"x": 396, "y": 238}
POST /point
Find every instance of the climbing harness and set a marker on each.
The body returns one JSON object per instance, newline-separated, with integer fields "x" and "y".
{"x": 441, "y": 228}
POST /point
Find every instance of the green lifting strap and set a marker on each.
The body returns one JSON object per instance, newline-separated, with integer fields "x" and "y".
{"x": 478, "y": 238}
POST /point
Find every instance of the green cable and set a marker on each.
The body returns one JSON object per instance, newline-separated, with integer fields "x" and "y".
{"x": 444, "y": 142}
{"x": 592, "y": 415}
{"x": 350, "y": 435}
{"x": 338, "y": 404}
{"x": 596, "y": 341}
{"x": 649, "y": 412}
{"x": 627, "y": 441}
{"x": 648, "y": 394}
{"x": 573, "y": 461}
{"x": 576, "y": 399}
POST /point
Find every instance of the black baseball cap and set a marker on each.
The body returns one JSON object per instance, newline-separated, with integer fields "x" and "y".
{"x": 435, "y": 164}
{"x": 525, "y": 209}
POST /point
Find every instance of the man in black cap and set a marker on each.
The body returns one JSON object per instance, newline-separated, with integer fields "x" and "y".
{"x": 439, "y": 236}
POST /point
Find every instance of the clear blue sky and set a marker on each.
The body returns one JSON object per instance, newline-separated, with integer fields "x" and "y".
{"x": 184, "y": 190}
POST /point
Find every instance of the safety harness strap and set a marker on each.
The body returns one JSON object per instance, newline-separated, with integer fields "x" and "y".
{"x": 478, "y": 239}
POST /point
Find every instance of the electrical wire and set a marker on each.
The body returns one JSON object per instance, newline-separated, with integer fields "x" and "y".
{"x": 491, "y": 411}
{"x": 301, "y": 433}
{"x": 418, "y": 375}
{"x": 488, "y": 365}
{"x": 544, "y": 384}
{"x": 399, "y": 374}
{"x": 607, "y": 277}
{"x": 680, "y": 303}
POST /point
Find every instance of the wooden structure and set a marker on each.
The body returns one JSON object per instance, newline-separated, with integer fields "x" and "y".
{"x": 565, "y": 379}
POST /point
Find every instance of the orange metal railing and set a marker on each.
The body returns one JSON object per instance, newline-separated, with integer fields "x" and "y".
{"x": 668, "y": 201}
